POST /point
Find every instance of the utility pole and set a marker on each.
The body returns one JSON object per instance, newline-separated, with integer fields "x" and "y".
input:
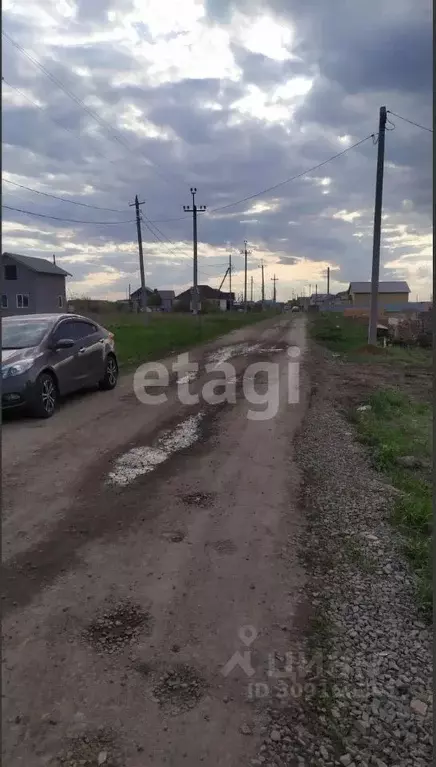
{"x": 316, "y": 290}
{"x": 274, "y": 280}
{"x": 194, "y": 210}
{"x": 245, "y": 253}
{"x": 143, "y": 297}
{"x": 328, "y": 280}
{"x": 230, "y": 279}
{"x": 263, "y": 285}
{"x": 251, "y": 290}
{"x": 373, "y": 312}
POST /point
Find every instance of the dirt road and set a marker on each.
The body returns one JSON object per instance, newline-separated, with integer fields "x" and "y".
{"x": 144, "y": 546}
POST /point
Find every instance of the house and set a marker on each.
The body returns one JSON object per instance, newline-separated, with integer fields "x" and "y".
{"x": 135, "y": 297}
{"x": 206, "y": 295}
{"x": 342, "y": 298}
{"x": 389, "y": 294}
{"x": 32, "y": 285}
{"x": 321, "y": 299}
{"x": 167, "y": 298}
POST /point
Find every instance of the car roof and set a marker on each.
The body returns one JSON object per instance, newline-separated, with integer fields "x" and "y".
{"x": 53, "y": 317}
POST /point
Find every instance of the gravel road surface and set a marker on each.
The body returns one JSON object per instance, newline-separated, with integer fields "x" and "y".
{"x": 143, "y": 546}
{"x": 188, "y": 584}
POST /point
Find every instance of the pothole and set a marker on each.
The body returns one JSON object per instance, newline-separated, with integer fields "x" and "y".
{"x": 143, "y": 668}
{"x": 118, "y": 627}
{"x": 179, "y": 689}
{"x": 198, "y": 499}
{"x": 223, "y": 547}
{"x": 174, "y": 536}
{"x": 92, "y": 749}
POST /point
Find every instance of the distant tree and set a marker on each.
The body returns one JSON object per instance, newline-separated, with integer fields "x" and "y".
{"x": 155, "y": 299}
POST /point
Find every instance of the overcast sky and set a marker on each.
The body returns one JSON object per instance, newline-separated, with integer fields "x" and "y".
{"x": 232, "y": 97}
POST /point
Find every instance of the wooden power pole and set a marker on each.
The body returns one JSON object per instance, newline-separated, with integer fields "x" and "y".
{"x": 274, "y": 280}
{"x": 194, "y": 210}
{"x": 245, "y": 253}
{"x": 230, "y": 280}
{"x": 143, "y": 296}
{"x": 373, "y": 312}
{"x": 263, "y": 285}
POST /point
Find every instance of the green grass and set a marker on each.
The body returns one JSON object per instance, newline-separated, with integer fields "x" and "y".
{"x": 338, "y": 333}
{"x": 348, "y": 336}
{"x": 393, "y": 427}
{"x": 137, "y": 342}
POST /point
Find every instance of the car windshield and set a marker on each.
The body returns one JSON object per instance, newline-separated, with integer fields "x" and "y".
{"x": 25, "y": 333}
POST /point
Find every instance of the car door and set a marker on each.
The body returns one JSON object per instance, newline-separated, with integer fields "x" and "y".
{"x": 66, "y": 363}
{"x": 90, "y": 353}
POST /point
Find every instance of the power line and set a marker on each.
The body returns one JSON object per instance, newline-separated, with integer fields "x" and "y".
{"x": 417, "y": 125}
{"x": 53, "y": 119}
{"x": 62, "y": 199}
{"x": 66, "y": 90}
{"x": 74, "y": 202}
{"x": 100, "y": 120}
{"x": 161, "y": 237}
{"x": 166, "y": 220}
{"x": 67, "y": 220}
{"x": 293, "y": 178}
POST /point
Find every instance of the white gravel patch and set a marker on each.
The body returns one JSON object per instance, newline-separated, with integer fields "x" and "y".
{"x": 187, "y": 377}
{"x": 143, "y": 460}
{"x": 373, "y": 699}
{"x": 227, "y": 352}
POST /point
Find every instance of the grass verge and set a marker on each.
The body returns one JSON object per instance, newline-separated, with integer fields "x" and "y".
{"x": 137, "y": 342}
{"x": 349, "y": 336}
{"x": 395, "y": 427}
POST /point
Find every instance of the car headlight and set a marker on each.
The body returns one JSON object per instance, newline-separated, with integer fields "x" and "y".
{"x": 16, "y": 368}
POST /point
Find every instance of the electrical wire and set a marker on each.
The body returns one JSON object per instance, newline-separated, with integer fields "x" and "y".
{"x": 62, "y": 199}
{"x": 67, "y": 220}
{"x": 162, "y": 237}
{"x": 53, "y": 119}
{"x": 66, "y": 90}
{"x": 100, "y": 120}
{"x": 59, "y": 124}
{"x": 72, "y": 202}
{"x": 157, "y": 237}
{"x": 417, "y": 125}
{"x": 293, "y": 178}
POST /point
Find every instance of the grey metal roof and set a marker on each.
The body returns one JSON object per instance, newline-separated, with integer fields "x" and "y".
{"x": 40, "y": 265}
{"x": 136, "y": 293}
{"x": 166, "y": 293}
{"x": 397, "y": 286}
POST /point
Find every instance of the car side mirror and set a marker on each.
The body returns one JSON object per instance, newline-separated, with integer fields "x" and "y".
{"x": 63, "y": 343}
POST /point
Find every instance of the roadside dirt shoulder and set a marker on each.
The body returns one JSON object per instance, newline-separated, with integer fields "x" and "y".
{"x": 366, "y": 696}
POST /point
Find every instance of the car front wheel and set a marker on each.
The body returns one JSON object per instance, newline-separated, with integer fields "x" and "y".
{"x": 110, "y": 378}
{"x": 46, "y": 396}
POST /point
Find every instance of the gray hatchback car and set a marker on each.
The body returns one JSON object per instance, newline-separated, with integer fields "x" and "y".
{"x": 45, "y": 356}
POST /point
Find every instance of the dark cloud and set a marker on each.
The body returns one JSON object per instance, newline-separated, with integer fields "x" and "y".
{"x": 191, "y": 131}
{"x": 288, "y": 260}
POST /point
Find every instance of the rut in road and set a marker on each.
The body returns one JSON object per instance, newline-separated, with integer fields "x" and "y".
{"x": 202, "y": 555}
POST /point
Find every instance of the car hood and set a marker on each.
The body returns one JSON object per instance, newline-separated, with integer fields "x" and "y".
{"x": 13, "y": 355}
